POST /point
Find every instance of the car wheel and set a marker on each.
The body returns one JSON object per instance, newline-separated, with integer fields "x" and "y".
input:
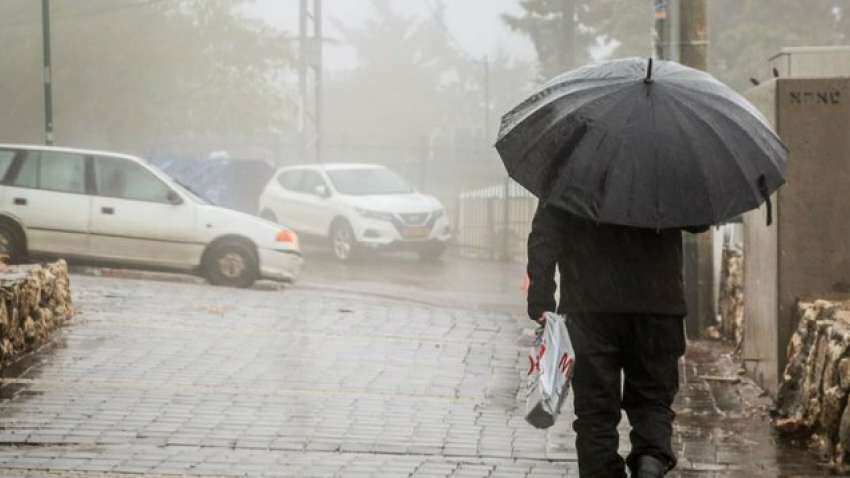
{"x": 231, "y": 264}
{"x": 343, "y": 243}
{"x": 269, "y": 216}
{"x": 432, "y": 252}
{"x": 11, "y": 245}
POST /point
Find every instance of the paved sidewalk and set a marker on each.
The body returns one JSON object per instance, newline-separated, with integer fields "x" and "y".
{"x": 170, "y": 379}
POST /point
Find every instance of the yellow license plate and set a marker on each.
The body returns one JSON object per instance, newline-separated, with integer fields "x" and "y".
{"x": 416, "y": 232}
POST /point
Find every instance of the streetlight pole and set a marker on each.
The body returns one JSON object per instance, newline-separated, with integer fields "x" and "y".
{"x": 47, "y": 73}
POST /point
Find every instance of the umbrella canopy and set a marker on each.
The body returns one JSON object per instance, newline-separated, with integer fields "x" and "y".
{"x": 631, "y": 143}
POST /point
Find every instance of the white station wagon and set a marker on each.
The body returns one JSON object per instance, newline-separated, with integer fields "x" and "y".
{"x": 116, "y": 209}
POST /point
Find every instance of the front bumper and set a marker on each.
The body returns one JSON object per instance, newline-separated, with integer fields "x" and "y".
{"x": 376, "y": 233}
{"x": 281, "y": 265}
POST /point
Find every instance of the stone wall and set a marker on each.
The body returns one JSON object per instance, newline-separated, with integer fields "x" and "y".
{"x": 812, "y": 398}
{"x": 34, "y": 300}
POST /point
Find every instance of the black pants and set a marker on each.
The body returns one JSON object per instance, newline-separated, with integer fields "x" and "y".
{"x": 646, "y": 349}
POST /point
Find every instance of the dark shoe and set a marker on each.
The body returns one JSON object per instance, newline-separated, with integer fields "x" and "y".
{"x": 649, "y": 467}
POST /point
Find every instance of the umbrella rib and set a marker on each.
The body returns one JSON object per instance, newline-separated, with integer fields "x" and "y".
{"x": 722, "y": 140}
{"x": 625, "y": 92}
{"x": 575, "y": 113}
{"x": 719, "y": 137}
{"x": 528, "y": 108}
{"x": 739, "y": 126}
{"x": 628, "y": 118}
{"x": 607, "y": 169}
{"x": 730, "y": 95}
{"x": 683, "y": 119}
{"x": 736, "y": 101}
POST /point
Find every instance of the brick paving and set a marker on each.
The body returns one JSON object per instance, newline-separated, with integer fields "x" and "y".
{"x": 173, "y": 379}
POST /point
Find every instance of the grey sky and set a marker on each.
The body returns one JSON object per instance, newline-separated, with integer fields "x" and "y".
{"x": 475, "y": 24}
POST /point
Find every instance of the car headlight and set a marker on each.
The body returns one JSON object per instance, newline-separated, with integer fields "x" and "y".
{"x": 369, "y": 214}
{"x": 287, "y": 237}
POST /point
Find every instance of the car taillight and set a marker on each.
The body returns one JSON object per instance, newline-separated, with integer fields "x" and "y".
{"x": 287, "y": 236}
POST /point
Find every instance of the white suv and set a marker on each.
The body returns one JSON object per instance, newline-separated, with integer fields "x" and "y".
{"x": 114, "y": 208}
{"x": 356, "y": 206}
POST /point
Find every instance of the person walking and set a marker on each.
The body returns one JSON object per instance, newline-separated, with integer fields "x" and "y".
{"x": 622, "y": 293}
{"x": 624, "y": 155}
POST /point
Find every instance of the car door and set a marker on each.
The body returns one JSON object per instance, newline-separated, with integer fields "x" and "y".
{"x": 313, "y": 203}
{"x": 47, "y": 191}
{"x": 284, "y": 198}
{"x": 7, "y": 159}
{"x": 138, "y": 218}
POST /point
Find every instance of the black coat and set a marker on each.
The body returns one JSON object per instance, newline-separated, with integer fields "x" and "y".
{"x": 604, "y": 268}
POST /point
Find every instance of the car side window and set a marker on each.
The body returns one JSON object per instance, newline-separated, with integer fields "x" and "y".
{"x": 120, "y": 178}
{"x": 27, "y": 176}
{"x": 7, "y": 156}
{"x": 310, "y": 181}
{"x": 64, "y": 172}
{"x": 290, "y": 180}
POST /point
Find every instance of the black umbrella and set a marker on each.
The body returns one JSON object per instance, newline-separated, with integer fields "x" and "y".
{"x": 625, "y": 142}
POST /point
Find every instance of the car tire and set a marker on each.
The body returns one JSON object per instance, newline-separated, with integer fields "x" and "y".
{"x": 344, "y": 245}
{"x": 231, "y": 264}
{"x": 12, "y": 244}
{"x": 432, "y": 252}
{"x": 269, "y": 216}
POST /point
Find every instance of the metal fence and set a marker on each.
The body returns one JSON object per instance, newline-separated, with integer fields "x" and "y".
{"x": 494, "y": 222}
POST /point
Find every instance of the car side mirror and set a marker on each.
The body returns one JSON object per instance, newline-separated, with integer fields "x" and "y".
{"x": 322, "y": 191}
{"x": 174, "y": 199}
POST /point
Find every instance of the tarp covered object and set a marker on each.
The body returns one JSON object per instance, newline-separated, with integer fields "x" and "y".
{"x": 231, "y": 183}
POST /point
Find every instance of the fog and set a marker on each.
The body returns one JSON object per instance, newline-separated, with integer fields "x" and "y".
{"x": 404, "y": 82}
{"x": 190, "y": 78}
{"x": 311, "y": 257}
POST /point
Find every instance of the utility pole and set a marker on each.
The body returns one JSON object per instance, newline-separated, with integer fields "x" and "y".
{"x": 310, "y": 60}
{"x": 699, "y": 249}
{"x": 661, "y": 33}
{"x": 47, "y": 73}
{"x": 693, "y": 33}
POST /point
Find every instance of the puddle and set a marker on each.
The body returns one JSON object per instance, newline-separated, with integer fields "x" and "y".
{"x": 28, "y": 366}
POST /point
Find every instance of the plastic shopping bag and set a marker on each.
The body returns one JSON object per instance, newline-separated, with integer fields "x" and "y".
{"x": 551, "y": 363}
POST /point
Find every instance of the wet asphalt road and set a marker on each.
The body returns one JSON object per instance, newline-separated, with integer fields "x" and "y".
{"x": 384, "y": 367}
{"x": 453, "y": 281}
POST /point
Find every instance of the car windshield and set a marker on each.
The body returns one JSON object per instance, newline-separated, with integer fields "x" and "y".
{"x": 193, "y": 195}
{"x": 196, "y": 196}
{"x": 368, "y": 181}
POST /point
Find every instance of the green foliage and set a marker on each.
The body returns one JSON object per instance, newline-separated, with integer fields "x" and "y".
{"x": 743, "y": 33}
{"x": 133, "y": 76}
{"x": 598, "y": 29}
{"x": 413, "y": 85}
